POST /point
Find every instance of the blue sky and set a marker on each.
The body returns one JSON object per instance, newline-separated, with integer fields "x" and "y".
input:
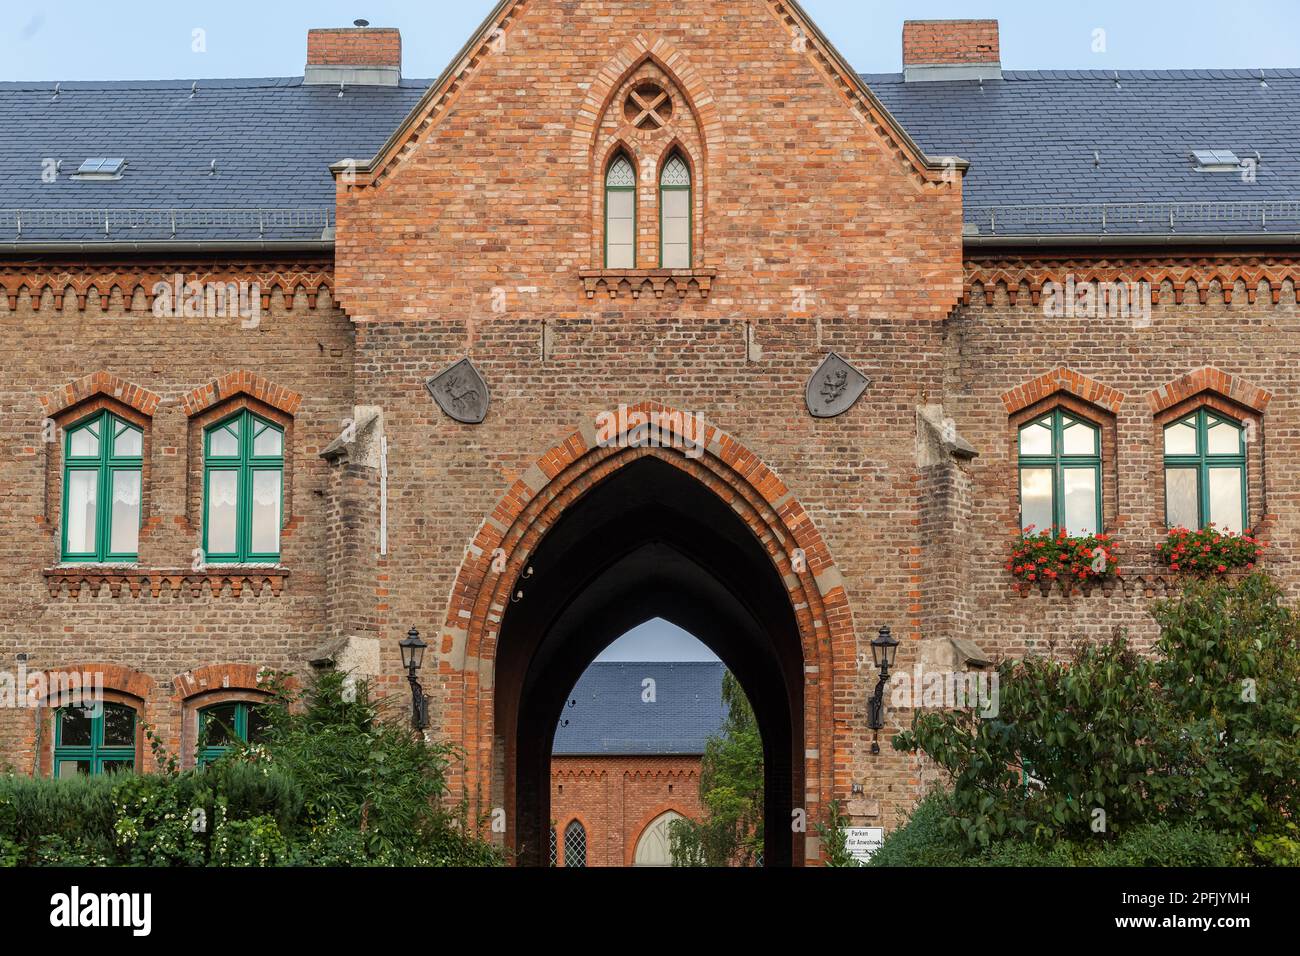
{"x": 153, "y": 39}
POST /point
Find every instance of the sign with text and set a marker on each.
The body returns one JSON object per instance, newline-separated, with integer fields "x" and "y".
{"x": 862, "y": 842}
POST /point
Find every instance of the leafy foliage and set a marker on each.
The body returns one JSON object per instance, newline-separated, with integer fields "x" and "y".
{"x": 1088, "y": 751}
{"x": 334, "y": 784}
{"x": 835, "y": 838}
{"x": 731, "y": 791}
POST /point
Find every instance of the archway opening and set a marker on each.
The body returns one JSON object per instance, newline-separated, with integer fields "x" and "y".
{"x": 648, "y": 542}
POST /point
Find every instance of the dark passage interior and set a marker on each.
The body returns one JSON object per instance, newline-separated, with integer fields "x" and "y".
{"x": 650, "y": 541}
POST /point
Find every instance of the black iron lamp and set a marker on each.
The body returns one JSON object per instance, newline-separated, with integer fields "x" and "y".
{"x": 883, "y": 649}
{"x": 412, "y": 657}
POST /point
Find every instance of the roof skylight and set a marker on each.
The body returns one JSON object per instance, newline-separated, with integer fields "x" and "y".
{"x": 1216, "y": 160}
{"x": 101, "y": 167}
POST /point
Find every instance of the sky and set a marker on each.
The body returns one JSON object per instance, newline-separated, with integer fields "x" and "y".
{"x": 157, "y": 39}
{"x": 657, "y": 640}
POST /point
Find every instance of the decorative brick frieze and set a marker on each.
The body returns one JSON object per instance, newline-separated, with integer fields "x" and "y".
{"x": 69, "y": 582}
{"x": 639, "y": 283}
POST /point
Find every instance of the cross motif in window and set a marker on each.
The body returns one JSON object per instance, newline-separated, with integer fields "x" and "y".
{"x": 648, "y": 107}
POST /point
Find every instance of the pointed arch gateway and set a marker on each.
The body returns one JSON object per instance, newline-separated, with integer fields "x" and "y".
{"x": 599, "y": 536}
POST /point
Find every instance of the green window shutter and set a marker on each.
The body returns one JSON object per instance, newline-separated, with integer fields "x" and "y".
{"x": 103, "y": 469}
{"x": 243, "y": 490}
{"x": 93, "y": 743}
{"x": 1205, "y": 472}
{"x": 1060, "y": 473}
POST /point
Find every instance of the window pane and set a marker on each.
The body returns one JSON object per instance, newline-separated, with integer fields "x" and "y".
{"x": 70, "y": 768}
{"x": 1080, "y": 439}
{"x": 119, "y": 726}
{"x": 129, "y": 442}
{"x": 1081, "y": 501}
{"x": 223, "y": 512}
{"x": 676, "y": 229}
{"x": 219, "y": 725}
{"x": 621, "y": 173}
{"x": 74, "y": 727}
{"x": 83, "y": 504}
{"x": 84, "y": 442}
{"x": 1224, "y": 439}
{"x": 1225, "y": 499}
{"x": 224, "y": 442}
{"x": 257, "y": 724}
{"x": 266, "y": 512}
{"x": 622, "y": 230}
{"x": 1182, "y": 494}
{"x": 269, "y": 443}
{"x": 1036, "y": 439}
{"x": 1180, "y": 439}
{"x": 124, "y": 536}
{"x": 1036, "y": 498}
{"x": 116, "y": 766}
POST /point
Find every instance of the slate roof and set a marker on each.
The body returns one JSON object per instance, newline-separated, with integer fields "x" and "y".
{"x": 273, "y": 141}
{"x": 1030, "y": 138}
{"x": 606, "y": 715}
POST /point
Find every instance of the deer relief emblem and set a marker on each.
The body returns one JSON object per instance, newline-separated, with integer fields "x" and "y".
{"x": 461, "y": 393}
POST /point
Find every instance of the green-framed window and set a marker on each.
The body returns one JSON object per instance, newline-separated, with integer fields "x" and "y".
{"x": 243, "y": 478}
{"x": 1060, "y": 474}
{"x": 620, "y": 214}
{"x": 1205, "y": 472}
{"x": 94, "y": 740}
{"x": 223, "y": 726}
{"x": 676, "y": 214}
{"x": 103, "y": 461}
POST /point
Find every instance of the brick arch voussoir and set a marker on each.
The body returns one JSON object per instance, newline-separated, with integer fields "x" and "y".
{"x": 213, "y": 677}
{"x": 241, "y": 382}
{"x": 82, "y": 390}
{"x": 116, "y": 677}
{"x": 633, "y": 55}
{"x": 1213, "y": 380}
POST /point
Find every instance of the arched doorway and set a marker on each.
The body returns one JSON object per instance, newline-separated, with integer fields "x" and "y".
{"x": 654, "y": 847}
{"x": 599, "y": 538}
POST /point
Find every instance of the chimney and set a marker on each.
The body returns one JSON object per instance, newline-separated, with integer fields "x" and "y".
{"x": 951, "y": 50}
{"x": 359, "y": 55}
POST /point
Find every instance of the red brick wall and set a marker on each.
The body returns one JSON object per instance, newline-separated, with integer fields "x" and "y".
{"x": 349, "y": 46}
{"x": 616, "y": 798}
{"x": 950, "y": 41}
{"x": 161, "y": 619}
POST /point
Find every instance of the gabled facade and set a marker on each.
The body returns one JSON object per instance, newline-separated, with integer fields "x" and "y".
{"x": 268, "y": 408}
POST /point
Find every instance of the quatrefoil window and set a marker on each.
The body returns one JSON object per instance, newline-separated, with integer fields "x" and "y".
{"x": 648, "y": 106}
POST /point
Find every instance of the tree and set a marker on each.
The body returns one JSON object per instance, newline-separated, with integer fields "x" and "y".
{"x": 731, "y": 791}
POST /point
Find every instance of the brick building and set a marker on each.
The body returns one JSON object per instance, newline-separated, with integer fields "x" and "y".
{"x": 294, "y": 365}
{"x": 626, "y": 760}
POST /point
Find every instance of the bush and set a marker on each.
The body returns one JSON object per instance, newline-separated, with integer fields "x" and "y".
{"x": 1202, "y": 741}
{"x": 925, "y": 840}
{"x": 334, "y": 785}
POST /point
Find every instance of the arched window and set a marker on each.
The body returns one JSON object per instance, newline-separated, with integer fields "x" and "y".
{"x": 620, "y": 214}
{"x": 1060, "y": 474}
{"x": 94, "y": 740}
{"x": 1205, "y": 472}
{"x": 555, "y": 849}
{"x": 575, "y": 844}
{"x": 655, "y": 848}
{"x": 223, "y": 726}
{"x": 102, "y": 469}
{"x": 243, "y": 471}
{"x": 675, "y": 214}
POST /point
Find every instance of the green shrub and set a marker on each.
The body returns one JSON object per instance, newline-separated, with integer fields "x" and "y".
{"x": 925, "y": 840}
{"x": 1205, "y": 739}
{"x": 335, "y": 784}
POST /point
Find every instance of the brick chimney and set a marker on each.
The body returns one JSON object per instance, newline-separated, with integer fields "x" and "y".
{"x": 951, "y": 50}
{"x": 356, "y": 56}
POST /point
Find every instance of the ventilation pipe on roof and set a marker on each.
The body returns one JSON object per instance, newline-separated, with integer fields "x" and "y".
{"x": 951, "y": 50}
{"x": 356, "y": 56}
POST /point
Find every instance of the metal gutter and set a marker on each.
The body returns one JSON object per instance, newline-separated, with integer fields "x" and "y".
{"x": 1223, "y": 240}
{"x": 171, "y": 245}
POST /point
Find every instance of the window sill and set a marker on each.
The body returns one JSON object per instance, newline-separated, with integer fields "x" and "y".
{"x": 638, "y": 282}
{"x": 66, "y": 580}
